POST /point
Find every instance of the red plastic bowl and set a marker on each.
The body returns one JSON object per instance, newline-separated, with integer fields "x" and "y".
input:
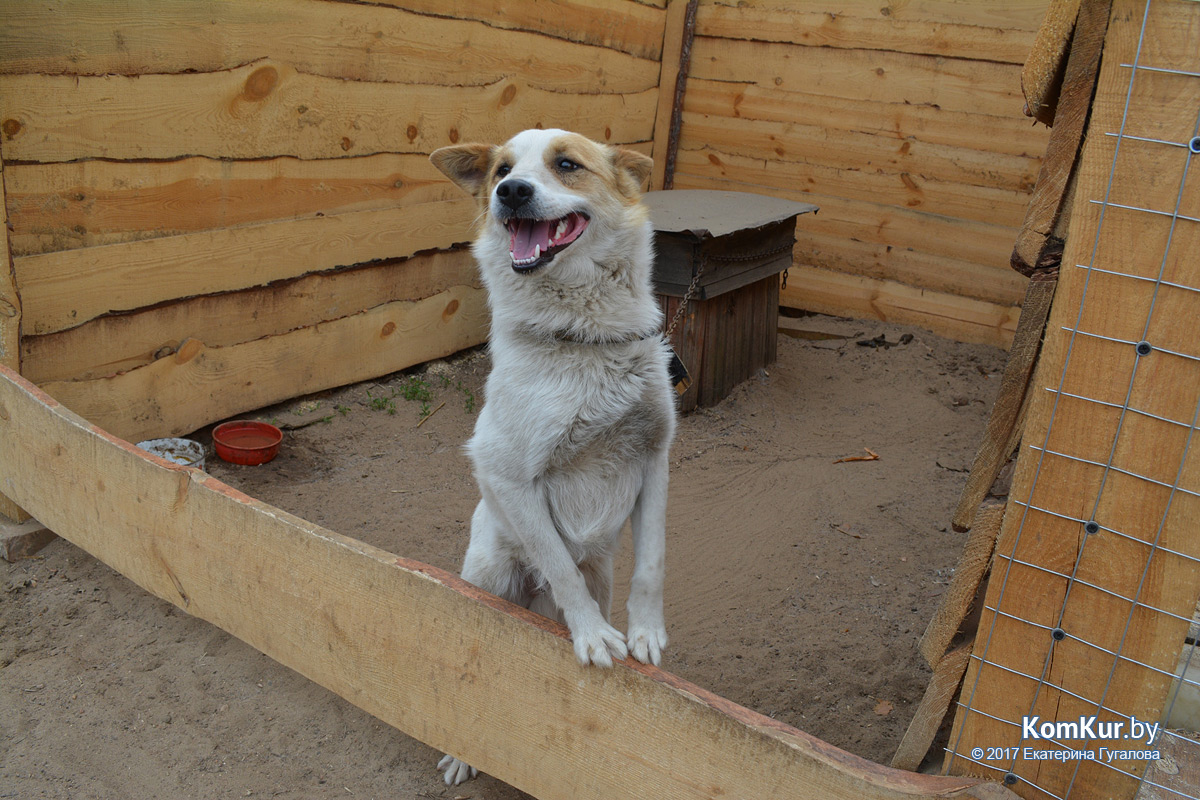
{"x": 247, "y": 442}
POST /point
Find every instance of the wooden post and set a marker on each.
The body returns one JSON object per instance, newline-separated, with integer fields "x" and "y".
{"x": 672, "y": 85}
{"x": 10, "y": 329}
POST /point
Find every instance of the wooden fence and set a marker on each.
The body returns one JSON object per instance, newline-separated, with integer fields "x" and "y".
{"x": 902, "y": 121}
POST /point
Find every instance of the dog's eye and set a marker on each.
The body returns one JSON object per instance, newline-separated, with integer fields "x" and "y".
{"x": 566, "y": 165}
{"x": 503, "y": 170}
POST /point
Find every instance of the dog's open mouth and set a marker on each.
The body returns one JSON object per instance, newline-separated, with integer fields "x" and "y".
{"x": 535, "y": 242}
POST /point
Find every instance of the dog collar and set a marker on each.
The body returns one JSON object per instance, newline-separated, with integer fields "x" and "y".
{"x": 571, "y": 338}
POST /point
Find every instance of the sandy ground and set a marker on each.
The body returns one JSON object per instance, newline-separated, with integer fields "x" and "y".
{"x": 796, "y": 586}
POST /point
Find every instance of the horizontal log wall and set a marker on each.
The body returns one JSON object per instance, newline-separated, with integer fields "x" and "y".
{"x": 229, "y": 194}
{"x": 903, "y": 122}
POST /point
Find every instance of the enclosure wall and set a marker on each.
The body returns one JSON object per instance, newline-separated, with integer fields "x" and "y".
{"x": 215, "y": 206}
{"x": 902, "y": 122}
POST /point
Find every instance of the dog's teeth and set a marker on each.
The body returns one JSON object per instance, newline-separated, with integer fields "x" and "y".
{"x": 537, "y": 251}
{"x": 562, "y": 228}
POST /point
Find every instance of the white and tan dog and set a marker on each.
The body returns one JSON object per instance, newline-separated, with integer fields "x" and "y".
{"x": 573, "y": 438}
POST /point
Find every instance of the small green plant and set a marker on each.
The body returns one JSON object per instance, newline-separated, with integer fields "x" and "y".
{"x": 425, "y": 410}
{"x": 343, "y": 410}
{"x": 469, "y": 397}
{"x": 415, "y": 389}
{"x": 381, "y": 403}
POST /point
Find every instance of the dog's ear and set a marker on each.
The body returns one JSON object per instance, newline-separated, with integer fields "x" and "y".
{"x": 465, "y": 164}
{"x": 633, "y": 168}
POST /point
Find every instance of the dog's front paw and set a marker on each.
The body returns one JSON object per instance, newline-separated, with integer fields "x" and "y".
{"x": 646, "y": 643}
{"x": 598, "y": 643}
{"x": 456, "y": 771}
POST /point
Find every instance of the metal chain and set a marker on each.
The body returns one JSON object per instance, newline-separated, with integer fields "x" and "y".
{"x": 687, "y": 296}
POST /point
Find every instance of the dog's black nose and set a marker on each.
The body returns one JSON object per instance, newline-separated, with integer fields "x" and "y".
{"x": 514, "y": 193}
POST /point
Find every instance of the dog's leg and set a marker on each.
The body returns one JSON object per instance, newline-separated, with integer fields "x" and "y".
{"x": 598, "y": 574}
{"x": 527, "y": 517}
{"x": 647, "y": 630}
{"x": 489, "y": 566}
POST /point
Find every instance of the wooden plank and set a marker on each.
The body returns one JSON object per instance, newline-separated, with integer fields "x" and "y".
{"x": 504, "y": 691}
{"x": 1042, "y": 74}
{"x": 932, "y": 710}
{"x": 969, "y": 572}
{"x": 88, "y": 203}
{"x": 1012, "y": 134}
{"x": 895, "y": 226}
{"x": 269, "y": 108}
{"x": 940, "y": 273}
{"x": 1003, "y": 425}
{"x": 625, "y": 25}
{"x": 1151, "y": 493}
{"x": 198, "y": 384}
{"x": 10, "y": 319}
{"x": 62, "y": 290}
{"x": 1040, "y": 240}
{"x": 344, "y": 41}
{"x": 1000, "y": 32}
{"x": 903, "y": 189}
{"x": 947, "y": 315}
{"x": 814, "y": 143}
{"x": 958, "y": 85}
{"x": 121, "y": 342}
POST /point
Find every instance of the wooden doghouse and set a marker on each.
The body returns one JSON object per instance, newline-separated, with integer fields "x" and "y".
{"x": 718, "y": 260}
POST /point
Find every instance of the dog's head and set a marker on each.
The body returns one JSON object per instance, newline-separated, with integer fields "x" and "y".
{"x": 545, "y": 192}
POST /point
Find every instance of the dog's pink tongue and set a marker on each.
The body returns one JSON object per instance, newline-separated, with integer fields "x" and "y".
{"x": 528, "y": 234}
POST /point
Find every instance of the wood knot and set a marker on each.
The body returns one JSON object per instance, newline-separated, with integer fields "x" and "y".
{"x": 11, "y": 128}
{"x": 412, "y": 133}
{"x": 454, "y": 136}
{"x": 260, "y": 83}
{"x": 509, "y": 93}
{"x": 450, "y": 311}
{"x": 388, "y": 329}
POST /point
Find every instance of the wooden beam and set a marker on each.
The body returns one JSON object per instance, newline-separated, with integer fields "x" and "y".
{"x": 854, "y": 296}
{"x": 956, "y": 603}
{"x": 1042, "y": 74}
{"x": 896, "y": 227}
{"x": 348, "y": 42}
{"x": 269, "y": 108}
{"x": 1038, "y": 245}
{"x": 1003, "y": 423}
{"x": 1010, "y": 135}
{"x": 197, "y": 384}
{"x": 630, "y": 27}
{"x": 932, "y": 710}
{"x": 907, "y": 190}
{"x": 76, "y": 204}
{"x": 979, "y": 87}
{"x": 1000, "y": 32}
{"x": 503, "y": 691}
{"x": 817, "y": 246}
{"x": 65, "y": 289}
{"x": 813, "y": 143}
{"x": 121, "y": 342}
